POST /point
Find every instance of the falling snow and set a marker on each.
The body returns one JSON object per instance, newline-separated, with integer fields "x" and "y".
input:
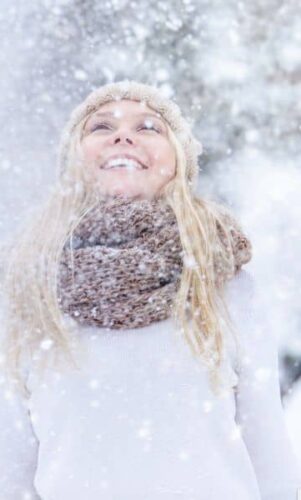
{"x": 234, "y": 68}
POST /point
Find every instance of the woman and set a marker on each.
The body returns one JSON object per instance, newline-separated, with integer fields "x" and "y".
{"x": 133, "y": 354}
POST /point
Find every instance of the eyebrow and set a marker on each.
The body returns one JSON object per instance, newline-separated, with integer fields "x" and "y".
{"x": 110, "y": 113}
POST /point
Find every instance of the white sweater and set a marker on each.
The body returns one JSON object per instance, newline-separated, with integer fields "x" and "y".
{"x": 139, "y": 422}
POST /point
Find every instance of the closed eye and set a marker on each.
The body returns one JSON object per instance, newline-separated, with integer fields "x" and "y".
{"x": 107, "y": 126}
{"x": 99, "y": 125}
{"x": 150, "y": 128}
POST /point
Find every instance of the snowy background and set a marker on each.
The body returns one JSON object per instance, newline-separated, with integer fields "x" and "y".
{"x": 234, "y": 67}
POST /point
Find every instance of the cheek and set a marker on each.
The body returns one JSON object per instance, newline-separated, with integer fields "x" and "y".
{"x": 164, "y": 171}
{"x": 90, "y": 150}
{"x": 164, "y": 160}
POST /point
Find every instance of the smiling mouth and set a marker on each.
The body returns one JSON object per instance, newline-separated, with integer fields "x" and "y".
{"x": 123, "y": 163}
{"x": 122, "y": 167}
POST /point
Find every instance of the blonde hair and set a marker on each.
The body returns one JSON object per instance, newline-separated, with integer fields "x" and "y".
{"x": 34, "y": 324}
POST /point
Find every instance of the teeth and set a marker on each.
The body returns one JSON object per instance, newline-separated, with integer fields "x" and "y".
{"x": 122, "y": 162}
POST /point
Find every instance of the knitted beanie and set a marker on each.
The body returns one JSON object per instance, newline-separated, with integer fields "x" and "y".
{"x": 150, "y": 95}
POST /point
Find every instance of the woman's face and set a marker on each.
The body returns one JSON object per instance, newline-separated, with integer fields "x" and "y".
{"x": 126, "y": 148}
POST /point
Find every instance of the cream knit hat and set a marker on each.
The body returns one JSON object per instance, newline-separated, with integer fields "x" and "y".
{"x": 129, "y": 89}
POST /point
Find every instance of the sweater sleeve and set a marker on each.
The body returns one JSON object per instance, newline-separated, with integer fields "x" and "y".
{"x": 18, "y": 443}
{"x": 259, "y": 410}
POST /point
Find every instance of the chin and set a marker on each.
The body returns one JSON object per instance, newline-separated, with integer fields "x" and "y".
{"x": 124, "y": 193}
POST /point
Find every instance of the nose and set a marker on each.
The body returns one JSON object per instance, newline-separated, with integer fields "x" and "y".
{"x": 122, "y": 136}
{"x": 121, "y": 139}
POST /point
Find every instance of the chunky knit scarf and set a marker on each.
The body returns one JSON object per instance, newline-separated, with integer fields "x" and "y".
{"x": 125, "y": 264}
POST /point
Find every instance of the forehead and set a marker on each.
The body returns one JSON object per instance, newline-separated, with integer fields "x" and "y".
{"x": 127, "y": 108}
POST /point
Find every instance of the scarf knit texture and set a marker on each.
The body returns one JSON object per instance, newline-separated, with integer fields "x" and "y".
{"x": 122, "y": 266}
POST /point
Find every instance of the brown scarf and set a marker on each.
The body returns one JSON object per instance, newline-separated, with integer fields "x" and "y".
{"x": 127, "y": 263}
